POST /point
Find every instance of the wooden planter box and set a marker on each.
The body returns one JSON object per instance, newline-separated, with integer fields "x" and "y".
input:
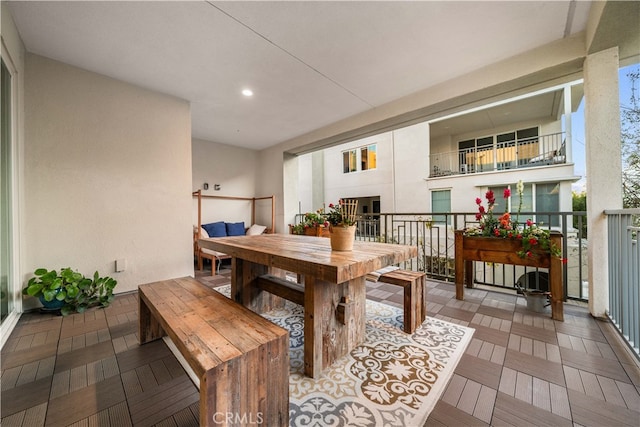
{"x": 503, "y": 251}
{"x": 317, "y": 231}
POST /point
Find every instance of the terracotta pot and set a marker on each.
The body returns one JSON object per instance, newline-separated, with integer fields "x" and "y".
{"x": 342, "y": 237}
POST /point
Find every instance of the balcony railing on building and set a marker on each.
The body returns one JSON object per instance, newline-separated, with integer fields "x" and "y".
{"x": 433, "y": 235}
{"x": 503, "y": 155}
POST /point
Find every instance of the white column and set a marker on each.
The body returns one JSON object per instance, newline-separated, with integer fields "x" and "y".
{"x": 568, "y": 146}
{"x": 604, "y": 169}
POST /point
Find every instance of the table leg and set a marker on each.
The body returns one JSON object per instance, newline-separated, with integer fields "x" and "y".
{"x": 243, "y": 275}
{"x": 555, "y": 284}
{"x": 334, "y": 321}
{"x": 468, "y": 273}
{"x": 459, "y": 267}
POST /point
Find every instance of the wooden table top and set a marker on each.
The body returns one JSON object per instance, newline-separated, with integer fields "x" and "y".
{"x": 312, "y": 255}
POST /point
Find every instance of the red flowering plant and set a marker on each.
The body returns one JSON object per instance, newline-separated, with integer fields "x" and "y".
{"x": 343, "y": 214}
{"x": 310, "y": 220}
{"x": 534, "y": 238}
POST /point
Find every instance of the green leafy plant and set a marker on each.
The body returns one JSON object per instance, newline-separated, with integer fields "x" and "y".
{"x": 74, "y": 289}
{"x": 310, "y": 220}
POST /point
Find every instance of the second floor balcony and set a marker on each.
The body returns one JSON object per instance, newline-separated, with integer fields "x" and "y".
{"x": 502, "y": 155}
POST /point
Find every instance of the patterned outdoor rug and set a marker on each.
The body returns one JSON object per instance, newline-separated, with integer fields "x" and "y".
{"x": 391, "y": 379}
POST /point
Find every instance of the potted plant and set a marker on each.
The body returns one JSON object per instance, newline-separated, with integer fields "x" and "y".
{"x": 342, "y": 220}
{"x": 311, "y": 225}
{"x": 69, "y": 291}
{"x": 504, "y": 240}
{"x": 530, "y": 239}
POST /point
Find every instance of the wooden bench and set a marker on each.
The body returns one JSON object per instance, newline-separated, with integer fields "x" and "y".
{"x": 240, "y": 358}
{"x": 415, "y": 309}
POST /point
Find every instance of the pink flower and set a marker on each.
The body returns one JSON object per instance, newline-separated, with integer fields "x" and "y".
{"x": 478, "y": 201}
{"x": 481, "y": 209}
{"x": 529, "y": 223}
{"x": 529, "y": 254}
{"x": 478, "y": 216}
{"x": 496, "y": 232}
{"x": 331, "y": 205}
{"x": 506, "y": 193}
{"x": 533, "y": 241}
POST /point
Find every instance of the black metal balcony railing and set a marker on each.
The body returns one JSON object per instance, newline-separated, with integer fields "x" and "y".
{"x": 522, "y": 153}
{"x": 433, "y": 235}
{"x": 624, "y": 273}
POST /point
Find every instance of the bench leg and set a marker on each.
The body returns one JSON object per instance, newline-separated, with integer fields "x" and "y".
{"x": 148, "y": 327}
{"x": 414, "y": 305}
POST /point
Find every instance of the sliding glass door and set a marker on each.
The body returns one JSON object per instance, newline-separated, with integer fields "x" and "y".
{"x": 8, "y": 292}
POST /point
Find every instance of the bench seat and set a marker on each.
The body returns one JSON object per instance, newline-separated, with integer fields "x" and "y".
{"x": 240, "y": 358}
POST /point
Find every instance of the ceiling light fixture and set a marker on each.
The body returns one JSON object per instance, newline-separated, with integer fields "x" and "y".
{"x": 247, "y": 92}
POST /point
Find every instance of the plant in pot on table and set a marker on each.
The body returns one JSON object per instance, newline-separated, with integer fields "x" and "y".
{"x": 69, "y": 291}
{"x": 342, "y": 219}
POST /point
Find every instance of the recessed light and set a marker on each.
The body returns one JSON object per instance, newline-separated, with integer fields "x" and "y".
{"x": 247, "y": 92}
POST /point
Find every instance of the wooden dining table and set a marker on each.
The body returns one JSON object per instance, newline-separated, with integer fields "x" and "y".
{"x": 334, "y": 285}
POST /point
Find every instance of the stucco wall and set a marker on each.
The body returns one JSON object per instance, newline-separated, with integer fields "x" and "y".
{"x": 234, "y": 170}
{"x": 107, "y": 176}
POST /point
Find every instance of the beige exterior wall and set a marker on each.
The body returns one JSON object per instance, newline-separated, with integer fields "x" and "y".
{"x": 557, "y": 63}
{"x": 234, "y": 170}
{"x": 107, "y": 176}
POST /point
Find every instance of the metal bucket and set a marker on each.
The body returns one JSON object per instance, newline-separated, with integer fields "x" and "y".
{"x": 537, "y": 301}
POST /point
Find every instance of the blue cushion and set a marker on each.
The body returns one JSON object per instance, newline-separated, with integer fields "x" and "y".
{"x": 235, "y": 228}
{"x": 215, "y": 229}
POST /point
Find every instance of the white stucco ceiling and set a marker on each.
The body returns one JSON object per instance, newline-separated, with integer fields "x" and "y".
{"x": 309, "y": 63}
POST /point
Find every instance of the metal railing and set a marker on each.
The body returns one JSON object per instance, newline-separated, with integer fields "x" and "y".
{"x": 624, "y": 273}
{"x": 522, "y": 153}
{"x": 433, "y": 236}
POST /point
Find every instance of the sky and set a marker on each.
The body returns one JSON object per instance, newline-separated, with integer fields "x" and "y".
{"x": 577, "y": 122}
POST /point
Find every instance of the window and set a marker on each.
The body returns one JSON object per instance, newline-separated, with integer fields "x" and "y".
{"x": 441, "y": 203}
{"x": 366, "y": 157}
{"x": 546, "y": 197}
{"x": 512, "y": 149}
{"x": 501, "y": 205}
{"x": 548, "y": 200}
{"x": 7, "y": 302}
{"x": 349, "y": 161}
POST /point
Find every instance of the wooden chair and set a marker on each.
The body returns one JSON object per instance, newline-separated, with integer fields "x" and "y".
{"x": 202, "y": 253}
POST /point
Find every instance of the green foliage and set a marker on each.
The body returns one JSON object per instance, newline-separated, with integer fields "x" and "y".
{"x": 630, "y": 145}
{"x": 310, "y": 220}
{"x": 579, "y": 204}
{"x": 77, "y": 291}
